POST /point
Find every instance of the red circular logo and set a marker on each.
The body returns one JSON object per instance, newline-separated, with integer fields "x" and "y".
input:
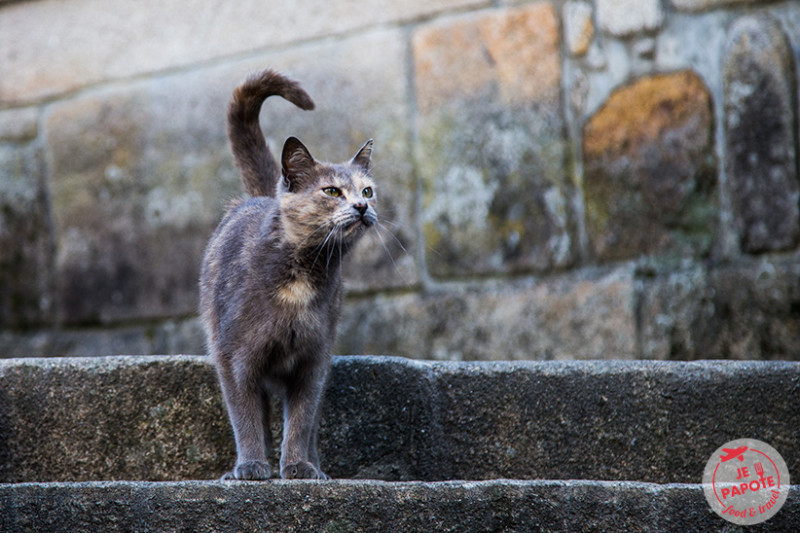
{"x": 746, "y": 481}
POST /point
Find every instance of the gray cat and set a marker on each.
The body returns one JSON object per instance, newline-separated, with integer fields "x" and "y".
{"x": 270, "y": 286}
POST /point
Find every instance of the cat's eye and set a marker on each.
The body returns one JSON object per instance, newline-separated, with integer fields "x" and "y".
{"x": 333, "y": 192}
{"x": 367, "y": 193}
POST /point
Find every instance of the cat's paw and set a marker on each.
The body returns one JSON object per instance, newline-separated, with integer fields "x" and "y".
{"x": 302, "y": 470}
{"x": 251, "y": 470}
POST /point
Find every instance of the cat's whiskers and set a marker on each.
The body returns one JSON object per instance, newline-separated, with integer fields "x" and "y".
{"x": 336, "y": 229}
{"x": 381, "y": 228}
{"x": 340, "y": 247}
{"x": 386, "y": 248}
{"x": 321, "y": 246}
{"x": 388, "y": 221}
{"x": 336, "y": 233}
{"x": 306, "y": 242}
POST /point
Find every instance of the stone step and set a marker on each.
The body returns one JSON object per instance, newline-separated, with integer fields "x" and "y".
{"x": 365, "y": 505}
{"x": 394, "y": 419}
{"x": 121, "y": 444}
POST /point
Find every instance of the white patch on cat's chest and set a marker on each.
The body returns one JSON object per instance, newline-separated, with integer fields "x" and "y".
{"x": 296, "y": 293}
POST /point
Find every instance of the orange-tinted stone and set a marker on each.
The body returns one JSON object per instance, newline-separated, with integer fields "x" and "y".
{"x": 515, "y": 50}
{"x": 649, "y": 169}
{"x": 491, "y": 146}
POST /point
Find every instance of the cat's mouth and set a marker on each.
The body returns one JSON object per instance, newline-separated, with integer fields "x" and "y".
{"x": 359, "y": 224}
{"x": 355, "y": 226}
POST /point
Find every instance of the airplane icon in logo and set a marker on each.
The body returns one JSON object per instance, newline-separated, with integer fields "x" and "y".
{"x": 733, "y": 453}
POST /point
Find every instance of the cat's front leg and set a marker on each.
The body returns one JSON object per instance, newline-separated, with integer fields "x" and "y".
{"x": 250, "y": 470}
{"x": 243, "y": 399}
{"x": 301, "y": 414}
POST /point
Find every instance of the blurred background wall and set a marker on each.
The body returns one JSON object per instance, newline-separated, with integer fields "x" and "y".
{"x": 558, "y": 179}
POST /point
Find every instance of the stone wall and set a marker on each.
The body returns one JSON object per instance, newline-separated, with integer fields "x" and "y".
{"x": 559, "y": 179}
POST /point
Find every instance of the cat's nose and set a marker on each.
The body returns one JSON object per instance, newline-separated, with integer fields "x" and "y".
{"x": 361, "y": 207}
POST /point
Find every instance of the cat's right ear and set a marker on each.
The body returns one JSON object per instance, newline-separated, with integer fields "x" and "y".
{"x": 363, "y": 158}
{"x": 297, "y": 164}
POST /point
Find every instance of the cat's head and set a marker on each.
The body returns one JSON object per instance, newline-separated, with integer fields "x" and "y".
{"x": 323, "y": 203}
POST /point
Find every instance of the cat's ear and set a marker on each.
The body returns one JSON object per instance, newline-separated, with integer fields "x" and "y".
{"x": 297, "y": 164}
{"x": 363, "y": 157}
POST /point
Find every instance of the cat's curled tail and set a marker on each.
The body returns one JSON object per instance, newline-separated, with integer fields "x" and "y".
{"x": 260, "y": 171}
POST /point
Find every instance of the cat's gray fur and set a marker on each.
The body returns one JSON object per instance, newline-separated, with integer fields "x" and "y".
{"x": 270, "y": 286}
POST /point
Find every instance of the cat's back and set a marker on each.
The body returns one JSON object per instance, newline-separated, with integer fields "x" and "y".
{"x": 248, "y": 226}
{"x": 245, "y": 221}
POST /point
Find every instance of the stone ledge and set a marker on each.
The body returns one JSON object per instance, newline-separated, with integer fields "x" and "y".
{"x": 341, "y": 506}
{"x": 161, "y": 418}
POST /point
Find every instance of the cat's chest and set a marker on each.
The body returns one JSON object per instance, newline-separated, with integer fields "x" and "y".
{"x": 302, "y": 305}
{"x": 296, "y": 293}
{"x": 302, "y": 324}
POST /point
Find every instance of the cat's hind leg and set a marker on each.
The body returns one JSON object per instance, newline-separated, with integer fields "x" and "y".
{"x": 313, "y": 454}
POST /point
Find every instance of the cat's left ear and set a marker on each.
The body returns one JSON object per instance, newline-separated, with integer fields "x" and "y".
{"x": 363, "y": 158}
